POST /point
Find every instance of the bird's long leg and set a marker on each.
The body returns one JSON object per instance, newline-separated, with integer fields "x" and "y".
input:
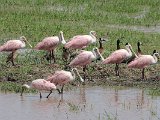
{"x": 117, "y": 69}
{"x": 143, "y": 73}
{"x": 84, "y": 70}
{"x": 58, "y": 91}
{"x": 49, "y": 94}
{"x": 62, "y": 89}
{"x": 11, "y": 57}
{"x": 53, "y": 56}
{"x": 40, "y": 95}
{"x": 50, "y": 56}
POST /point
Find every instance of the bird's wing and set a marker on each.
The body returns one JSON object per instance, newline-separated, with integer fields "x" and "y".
{"x": 57, "y": 77}
{"x": 78, "y": 42}
{"x": 48, "y": 42}
{"x": 81, "y": 58}
{"x": 141, "y": 61}
{"x": 12, "y": 45}
{"x": 116, "y": 57}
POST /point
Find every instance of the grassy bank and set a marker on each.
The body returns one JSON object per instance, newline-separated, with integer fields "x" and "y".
{"x": 37, "y": 19}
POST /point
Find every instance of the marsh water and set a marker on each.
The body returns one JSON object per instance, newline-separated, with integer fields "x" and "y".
{"x": 81, "y": 103}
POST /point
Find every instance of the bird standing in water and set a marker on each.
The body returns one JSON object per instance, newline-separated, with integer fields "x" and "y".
{"x": 84, "y": 58}
{"x": 40, "y": 84}
{"x": 13, "y": 46}
{"x": 50, "y": 43}
{"x": 62, "y": 77}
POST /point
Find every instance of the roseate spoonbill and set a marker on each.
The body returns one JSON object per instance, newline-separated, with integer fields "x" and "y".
{"x": 62, "y": 77}
{"x": 143, "y": 61}
{"x": 50, "y": 43}
{"x": 84, "y": 58}
{"x": 13, "y": 45}
{"x": 40, "y": 84}
{"x": 119, "y": 55}
{"x": 139, "y": 52}
{"x": 81, "y": 41}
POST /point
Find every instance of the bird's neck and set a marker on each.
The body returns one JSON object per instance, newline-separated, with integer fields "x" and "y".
{"x": 155, "y": 59}
{"x": 130, "y": 51}
{"x": 95, "y": 56}
{"x": 98, "y": 54}
{"x": 61, "y": 38}
{"x": 93, "y": 38}
{"x": 26, "y": 86}
{"x": 73, "y": 74}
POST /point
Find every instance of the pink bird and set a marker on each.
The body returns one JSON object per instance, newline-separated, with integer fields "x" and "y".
{"x": 81, "y": 41}
{"x": 62, "y": 77}
{"x": 85, "y": 58}
{"x": 50, "y": 43}
{"x": 143, "y": 61}
{"x": 13, "y": 45}
{"x": 40, "y": 84}
{"x": 119, "y": 55}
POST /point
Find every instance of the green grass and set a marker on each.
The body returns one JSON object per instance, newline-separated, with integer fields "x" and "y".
{"x": 37, "y": 19}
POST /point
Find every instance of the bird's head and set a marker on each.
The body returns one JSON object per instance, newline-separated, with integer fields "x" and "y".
{"x": 97, "y": 53}
{"x": 128, "y": 46}
{"x": 157, "y": 55}
{"x": 139, "y": 43}
{"x": 93, "y": 33}
{"x": 77, "y": 73}
{"x": 101, "y": 40}
{"x": 23, "y": 38}
{"x": 24, "y": 87}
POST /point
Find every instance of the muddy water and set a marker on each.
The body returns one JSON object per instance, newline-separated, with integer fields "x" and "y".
{"x": 93, "y": 103}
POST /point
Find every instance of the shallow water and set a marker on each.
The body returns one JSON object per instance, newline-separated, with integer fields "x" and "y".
{"x": 93, "y": 103}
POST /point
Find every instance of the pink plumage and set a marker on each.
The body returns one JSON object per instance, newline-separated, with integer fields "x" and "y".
{"x": 48, "y": 43}
{"x": 61, "y": 77}
{"x": 142, "y": 61}
{"x": 41, "y": 84}
{"x": 118, "y": 56}
{"x": 83, "y": 59}
{"x": 81, "y": 41}
{"x": 12, "y": 45}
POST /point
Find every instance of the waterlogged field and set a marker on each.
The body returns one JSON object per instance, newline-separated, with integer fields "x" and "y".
{"x": 84, "y": 103}
{"x": 137, "y": 20}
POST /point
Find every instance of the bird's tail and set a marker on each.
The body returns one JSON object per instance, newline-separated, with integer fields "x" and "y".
{"x": 131, "y": 64}
{"x": 1, "y": 48}
{"x": 67, "y": 45}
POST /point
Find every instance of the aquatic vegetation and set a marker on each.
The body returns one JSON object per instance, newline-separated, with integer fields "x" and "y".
{"x": 73, "y": 107}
